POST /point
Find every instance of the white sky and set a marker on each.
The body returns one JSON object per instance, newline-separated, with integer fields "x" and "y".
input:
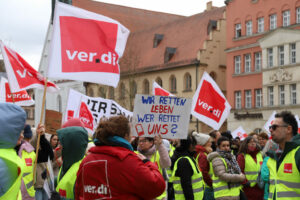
{"x": 24, "y": 23}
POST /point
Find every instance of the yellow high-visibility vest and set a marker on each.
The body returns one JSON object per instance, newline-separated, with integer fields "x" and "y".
{"x": 28, "y": 159}
{"x": 252, "y": 168}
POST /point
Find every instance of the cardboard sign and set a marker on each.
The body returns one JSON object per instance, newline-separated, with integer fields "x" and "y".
{"x": 161, "y": 115}
{"x": 53, "y": 121}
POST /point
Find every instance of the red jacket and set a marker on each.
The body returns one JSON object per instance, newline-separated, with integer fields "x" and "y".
{"x": 117, "y": 173}
{"x": 203, "y": 164}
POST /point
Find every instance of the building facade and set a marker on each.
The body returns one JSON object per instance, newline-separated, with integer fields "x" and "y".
{"x": 254, "y": 55}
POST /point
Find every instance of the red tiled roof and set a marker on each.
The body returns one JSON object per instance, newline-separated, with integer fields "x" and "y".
{"x": 186, "y": 35}
{"x": 132, "y": 18}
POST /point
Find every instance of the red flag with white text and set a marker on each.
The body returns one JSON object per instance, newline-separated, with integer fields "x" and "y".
{"x": 86, "y": 46}
{"x": 209, "y": 104}
{"x": 20, "y": 98}
{"x": 86, "y": 116}
{"x": 159, "y": 91}
{"x": 20, "y": 74}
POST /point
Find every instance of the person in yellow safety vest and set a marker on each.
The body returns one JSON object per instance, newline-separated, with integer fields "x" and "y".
{"x": 186, "y": 174}
{"x": 250, "y": 160}
{"x": 227, "y": 176}
{"x": 12, "y": 122}
{"x": 203, "y": 148}
{"x": 154, "y": 150}
{"x": 284, "y": 167}
{"x": 26, "y": 152}
{"x": 73, "y": 138}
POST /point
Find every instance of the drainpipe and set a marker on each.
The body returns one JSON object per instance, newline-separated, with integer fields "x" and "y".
{"x": 197, "y": 65}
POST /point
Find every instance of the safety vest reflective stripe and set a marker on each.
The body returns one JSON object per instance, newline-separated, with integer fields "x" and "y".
{"x": 196, "y": 179}
{"x": 171, "y": 152}
{"x": 252, "y": 168}
{"x": 251, "y": 173}
{"x": 288, "y": 194}
{"x": 14, "y": 191}
{"x": 225, "y": 187}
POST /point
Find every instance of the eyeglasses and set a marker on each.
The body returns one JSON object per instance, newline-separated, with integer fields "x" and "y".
{"x": 274, "y": 126}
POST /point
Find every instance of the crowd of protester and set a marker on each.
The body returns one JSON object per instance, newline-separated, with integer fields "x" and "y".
{"x": 115, "y": 165}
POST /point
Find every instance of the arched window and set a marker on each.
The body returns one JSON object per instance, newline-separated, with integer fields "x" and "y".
{"x": 122, "y": 91}
{"x": 111, "y": 93}
{"x": 59, "y": 103}
{"x": 187, "y": 82}
{"x": 101, "y": 92}
{"x": 133, "y": 89}
{"x": 173, "y": 83}
{"x": 159, "y": 81}
{"x": 91, "y": 92}
{"x": 146, "y": 86}
{"x": 213, "y": 75}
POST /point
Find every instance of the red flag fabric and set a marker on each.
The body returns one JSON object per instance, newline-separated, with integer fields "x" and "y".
{"x": 86, "y": 46}
{"x": 20, "y": 74}
{"x": 159, "y": 91}
{"x": 86, "y": 116}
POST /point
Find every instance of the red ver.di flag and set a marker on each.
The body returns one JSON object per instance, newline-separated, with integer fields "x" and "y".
{"x": 20, "y": 74}
{"x": 209, "y": 104}
{"x": 86, "y": 46}
{"x": 20, "y": 98}
{"x": 86, "y": 116}
{"x": 159, "y": 91}
{"x": 239, "y": 132}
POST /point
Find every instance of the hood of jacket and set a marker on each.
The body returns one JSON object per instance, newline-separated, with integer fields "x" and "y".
{"x": 115, "y": 151}
{"x": 212, "y": 156}
{"x": 12, "y": 122}
{"x": 74, "y": 141}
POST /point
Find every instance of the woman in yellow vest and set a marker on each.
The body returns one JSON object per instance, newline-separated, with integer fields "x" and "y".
{"x": 227, "y": 176}
{"x": 250, "y": 160}
{"x": 12, "y": 122}
{"x": 186, "y": 175}
{"x": 27, "y": 154}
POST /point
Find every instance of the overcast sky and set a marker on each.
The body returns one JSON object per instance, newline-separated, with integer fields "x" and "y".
{"x": 24, "y": 23}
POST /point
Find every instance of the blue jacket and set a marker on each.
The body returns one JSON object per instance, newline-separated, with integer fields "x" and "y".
{"x": 265, "y": 175}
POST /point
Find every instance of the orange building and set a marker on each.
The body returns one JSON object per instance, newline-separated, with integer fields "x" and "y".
{"x": 248, "y": 21}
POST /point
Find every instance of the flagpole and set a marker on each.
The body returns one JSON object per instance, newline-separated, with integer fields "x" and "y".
{"x": 39, "y": 136}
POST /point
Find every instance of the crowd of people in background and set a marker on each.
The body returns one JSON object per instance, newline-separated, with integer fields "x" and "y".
{"x": 115, "y": 165}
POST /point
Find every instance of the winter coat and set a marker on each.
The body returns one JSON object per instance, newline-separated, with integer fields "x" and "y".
{"x": 252, "y": 193}
{"x": 12, "y": 121}
{"x": 26, "y": 146}
{"x": 117, "y": 172}
{"x": 184, "y": 171}
{"x": 203, "y": 164}
{"x": 220, "y": 171}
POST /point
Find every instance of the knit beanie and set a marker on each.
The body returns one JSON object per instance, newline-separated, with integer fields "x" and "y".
{"x": 27, "y": 131}
{"x": 72, "y": 122}
{"x": 201, "y": 138}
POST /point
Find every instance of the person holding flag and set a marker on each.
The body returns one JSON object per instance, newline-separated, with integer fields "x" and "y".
{"x": 12, "y": 123}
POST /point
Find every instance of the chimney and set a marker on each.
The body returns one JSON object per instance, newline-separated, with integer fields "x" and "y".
{"x": 209, "y": 6}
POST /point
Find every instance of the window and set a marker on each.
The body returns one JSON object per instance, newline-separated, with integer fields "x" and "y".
{"x": 133, "y": 89}
{"x": 258, "y": 98}
{"x": 270, "y": 96}
{"x": 101, "y": 92}
{"x": 260, "y": 25}
{"x": 111, "y": 93}
{"x": 173, "y": 83}
{"x": 280, "y": 55}
{"x": 247, "y": 63}
{"x": 91, "y": 92}
{"x": 249, "y": 28}
{"x": 273, "y": 21}
{"x": 248, "y": 102}
{"x": 293, "y": 53}
{"x": 257, "y": 66}
{"x": 293, "y": 93}
{"x": 188, "y": 82}
{"x": 237, "y": 64}
{"x": 159, "y": 81}
{"x": 146, "y": 87}
{"x": 281, "y": 94}
{"x": 122, "y": 91}
{"x": 298, "y": 15}
{"x": 238, "y": 100}
{"x": 238, "y": 30}
{"x": 286, "y": 18}
{"x": 270, "y": 57}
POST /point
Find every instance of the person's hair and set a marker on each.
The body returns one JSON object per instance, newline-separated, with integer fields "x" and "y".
{"x": 288, "y": 118}
{"x": 52, "y": 136}
{"x": 227, "y": 134}
{"x": 114, "y": 126}
{"x": 222, "y": 139}
{"x": 263, "y": 135}
{"x": 244, "y": 144}
{"x": 213, "y": 134}
{"x": 186, "y": 143}
{"x": 252, "y": 133}
{"x": 150, "y": 139}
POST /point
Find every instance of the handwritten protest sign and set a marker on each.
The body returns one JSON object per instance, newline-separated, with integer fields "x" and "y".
{"x": 99, "y": 107}
{"x": 165, "y": 115}
{"x": 52, "y": 121}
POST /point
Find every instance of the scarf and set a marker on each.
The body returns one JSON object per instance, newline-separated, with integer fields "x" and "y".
{"x": 232, "y": 165}
{"x": 147, "y": 153}
{"x": 117, "y": 141}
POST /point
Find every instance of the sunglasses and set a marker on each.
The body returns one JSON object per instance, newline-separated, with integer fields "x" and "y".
{"x": 275, "y": 126}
